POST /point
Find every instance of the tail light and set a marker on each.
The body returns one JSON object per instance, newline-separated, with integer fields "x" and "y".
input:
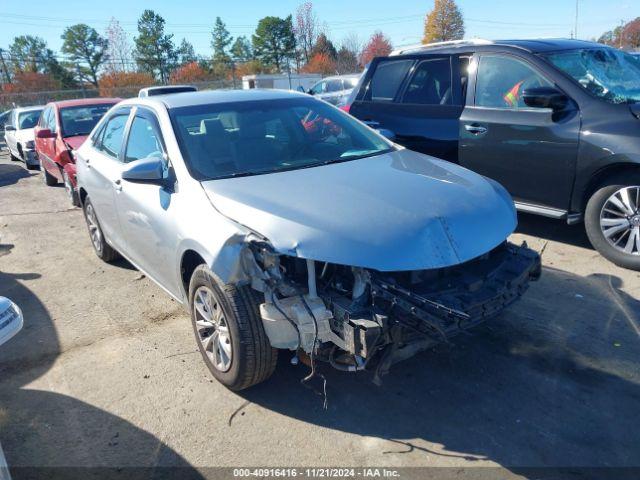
{"x": 345, "y": 108}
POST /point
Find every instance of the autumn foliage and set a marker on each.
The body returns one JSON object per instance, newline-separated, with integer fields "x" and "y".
{"x": 188, "y": 73}
{"x": 320, "y": 63}
{"x": 116, "y": 84}
{"x": 30, "y": 82}
{"x": 378, "y": 46}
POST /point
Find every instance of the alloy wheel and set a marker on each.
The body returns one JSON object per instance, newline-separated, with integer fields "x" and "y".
{"x": 620, "y": 220}
{"x": 212, "y": 328}
{"x": 94, "y": 229}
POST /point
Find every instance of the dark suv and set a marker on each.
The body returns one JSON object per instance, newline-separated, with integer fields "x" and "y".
{"x": 557, "y": 122}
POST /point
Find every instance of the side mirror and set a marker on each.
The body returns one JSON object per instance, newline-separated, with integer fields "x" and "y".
{"x": 45, "y": 133}
{"x": 9, "y": 128}
{"x": 545, "y": 97}
{"x": 145, "y": 170}
{"x": 11, "y": 319}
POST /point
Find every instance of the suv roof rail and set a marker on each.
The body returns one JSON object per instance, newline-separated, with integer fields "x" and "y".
{"x": 421, "y": 47}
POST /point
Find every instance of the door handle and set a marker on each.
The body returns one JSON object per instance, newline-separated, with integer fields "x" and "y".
{"x": 118, "y": 185}
{"x": 87, "y": 162}
{"x": 475, "y": 129}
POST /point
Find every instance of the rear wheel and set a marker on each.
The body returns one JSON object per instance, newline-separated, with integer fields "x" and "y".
{"x": 228, "y": 328}
{"x": 100, "y": 246}
{"x": 612, "y": 221}
{"x": 72, "y": 195}
{"x": 49, "y": 180}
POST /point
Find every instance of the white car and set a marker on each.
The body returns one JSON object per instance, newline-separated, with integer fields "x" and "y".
{"x": 20, "y": 137}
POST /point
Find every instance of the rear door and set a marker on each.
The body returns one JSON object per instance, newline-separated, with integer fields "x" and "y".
{"x": 101, "y": 171}
{"x": 418, "y": 98}
{"x": 531, "y": 151}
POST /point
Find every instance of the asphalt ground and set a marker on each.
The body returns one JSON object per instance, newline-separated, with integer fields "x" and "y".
{"x": 106, "y": 372}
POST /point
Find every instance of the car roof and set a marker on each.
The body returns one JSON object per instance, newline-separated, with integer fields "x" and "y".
{"x": 539, "y": 45}
{"x": 340, "y": 77}
{"x": 29, "y": 109}
{"x": 84, "y": 101}
{"x": 205, "y": 97}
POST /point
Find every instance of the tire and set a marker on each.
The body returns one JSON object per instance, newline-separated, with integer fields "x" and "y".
{"x": 72, "y": 195}
{"x": 13, "y": 157}
{"x": 252, "y": 359}
{"x": 49, "y": 180}
{"x": 612, "y": 243}
{"x": 33, "y": 167}
{"x": 100, "y": 245}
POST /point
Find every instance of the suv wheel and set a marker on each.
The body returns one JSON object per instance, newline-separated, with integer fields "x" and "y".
{"x": 100, "y": 246}
{"x": 229, "y": 332}
{"x": 71, "y": 192}
{"x": 612, "y": 221}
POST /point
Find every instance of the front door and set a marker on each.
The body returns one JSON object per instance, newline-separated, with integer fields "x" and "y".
{"x": 146, "y": 210}
{"x": 530, "y": 151}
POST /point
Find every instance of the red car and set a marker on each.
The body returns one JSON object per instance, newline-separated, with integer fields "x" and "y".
{"x": 62, "y": 128}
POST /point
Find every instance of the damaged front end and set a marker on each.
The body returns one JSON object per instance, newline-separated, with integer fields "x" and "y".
{"x": 357, "y": 318}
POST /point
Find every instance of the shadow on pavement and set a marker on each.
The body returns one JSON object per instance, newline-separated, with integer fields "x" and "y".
{"x": 555, "y": 230}
{"x": 553, "y": 382}
{"x": 40, "y": 428}
{"x": 13, "y": 173}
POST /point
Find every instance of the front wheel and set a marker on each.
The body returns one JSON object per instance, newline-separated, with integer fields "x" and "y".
{"x": 72, "y": 195}
{"x": 228, "y": 328}
{"x": 612, "y": 221}
{"x": 100, "y": 245}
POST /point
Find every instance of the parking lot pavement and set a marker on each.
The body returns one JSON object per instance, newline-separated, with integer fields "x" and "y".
{"x": 106, "y": 371}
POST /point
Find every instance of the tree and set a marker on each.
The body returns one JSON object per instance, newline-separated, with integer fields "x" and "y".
{"x": 623, "y": 36}
{"x": 379, "y": 46}
{"x": 155, "y": 52}
{"x": 320, "y": 63}
{"x": 189, "y": 73}
{"x": 443, "y": 23}
{"x": 241, "y": 50}
{"x": 28, "y": 53}
{"x": 274, "y": 42}
{"x": 186, "y": 53}
{"x": 81, "y": 43}
{"x": 307, "y": 28}
{"x": 220, "y": 41}
{"x": 31, "y": 82}
{"x": 118, "y": 48}
{"x": 347, "y": 61}
{"x": 324, "y": 46}
{"x": 123, "y": 84}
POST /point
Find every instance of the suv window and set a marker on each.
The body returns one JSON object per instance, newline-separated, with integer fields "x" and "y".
{"x": 387, "y": 79}
{"x": 113, "y": 134}
{"x": 319, "y": 88}
{"x": 431, "y": 83}
{"x": 143, "y": 141}
{"x": 334, "y": 86}
{"x": 502, "y": 79}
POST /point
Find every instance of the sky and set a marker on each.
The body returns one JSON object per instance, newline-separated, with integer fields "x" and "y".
{"x": 401, "y": 20}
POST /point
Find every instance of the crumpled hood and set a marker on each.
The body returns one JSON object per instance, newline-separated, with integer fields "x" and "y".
{"x": 392, "y": 212}
{"x": 75, "y": 141}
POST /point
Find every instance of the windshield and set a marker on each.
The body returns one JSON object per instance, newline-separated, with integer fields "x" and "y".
{"x": 250, "y": 138}
{"x": 81, "y": 120}
{"x": 28, "y": 119}
{"x": 607, "y": 73}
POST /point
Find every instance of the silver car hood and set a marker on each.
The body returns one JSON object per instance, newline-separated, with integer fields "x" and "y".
{"x": 392, "y": 212}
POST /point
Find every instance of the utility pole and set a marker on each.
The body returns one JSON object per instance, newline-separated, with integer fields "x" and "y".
{"x": 621, "y": 32}
{"x": 84, "y": 95}
{"x": 4, "y": 67}
{"x": 575, "y": 27}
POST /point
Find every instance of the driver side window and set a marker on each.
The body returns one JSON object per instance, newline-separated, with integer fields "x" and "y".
{"x": 502, "y": 79}
{"x": 143, "y": 141}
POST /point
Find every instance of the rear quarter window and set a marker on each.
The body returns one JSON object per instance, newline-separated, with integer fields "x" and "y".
{"x": 388, "y": 78}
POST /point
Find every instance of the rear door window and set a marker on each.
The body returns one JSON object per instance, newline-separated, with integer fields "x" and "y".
{"x": 113, "y": 135}
{"x": 388, "y": 78}
{"x": 431, "y": 83}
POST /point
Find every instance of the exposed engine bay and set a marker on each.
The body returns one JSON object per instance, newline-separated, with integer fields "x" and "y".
{"x": 356, "y": 318}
